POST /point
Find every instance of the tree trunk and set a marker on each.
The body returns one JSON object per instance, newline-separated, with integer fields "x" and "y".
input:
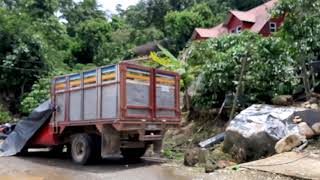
{"x": 305, "y": 78}
{"x": 238, "y": 90}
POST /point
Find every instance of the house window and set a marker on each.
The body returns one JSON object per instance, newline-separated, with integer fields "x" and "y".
{"x": 238, "y": 29}
{"x": 273, "y": 26}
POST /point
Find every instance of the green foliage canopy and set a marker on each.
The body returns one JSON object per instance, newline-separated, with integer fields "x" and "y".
{"x": 270, "y": 70}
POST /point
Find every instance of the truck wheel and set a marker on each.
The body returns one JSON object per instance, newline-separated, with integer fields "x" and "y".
{"x": 133, "y": 154}
{"x": 82, "y": 149}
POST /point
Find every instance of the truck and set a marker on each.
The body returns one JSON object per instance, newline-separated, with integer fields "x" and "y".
{"x": 111, "y": 110}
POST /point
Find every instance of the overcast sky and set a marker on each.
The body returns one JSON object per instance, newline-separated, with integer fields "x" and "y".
{"x": 111, "y": 4}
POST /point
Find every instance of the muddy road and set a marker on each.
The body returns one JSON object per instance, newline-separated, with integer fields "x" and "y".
{"x": 46, "y": 166}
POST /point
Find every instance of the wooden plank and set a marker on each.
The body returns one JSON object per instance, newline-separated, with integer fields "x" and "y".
{"x": 299, "y": 165}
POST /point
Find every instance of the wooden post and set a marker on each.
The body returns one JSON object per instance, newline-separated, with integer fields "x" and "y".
{"x": 238, "y": 90}
{"x": 305, "y": 78}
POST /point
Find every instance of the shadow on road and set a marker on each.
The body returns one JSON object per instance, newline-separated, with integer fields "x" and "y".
{"x": 63, "y": 160}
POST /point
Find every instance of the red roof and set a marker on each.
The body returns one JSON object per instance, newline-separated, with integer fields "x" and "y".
{"x": 212, "y": 32}
{"x": 259, "y": 16}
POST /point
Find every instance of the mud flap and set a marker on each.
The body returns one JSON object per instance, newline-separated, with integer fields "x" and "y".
{"x": 110, "y": 145}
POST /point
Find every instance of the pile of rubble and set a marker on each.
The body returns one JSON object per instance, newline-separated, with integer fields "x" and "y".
{"x": 260, "y": 131}
{"x": 263, "y": 130}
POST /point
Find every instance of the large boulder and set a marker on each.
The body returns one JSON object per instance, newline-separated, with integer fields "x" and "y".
{"x": 253, "y": 133}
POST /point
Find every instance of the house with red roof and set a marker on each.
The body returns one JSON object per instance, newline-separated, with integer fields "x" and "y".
{"x": 257, "y": 20}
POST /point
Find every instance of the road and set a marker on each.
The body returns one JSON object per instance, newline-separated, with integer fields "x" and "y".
{"x": 46, "y": 166}
{"x": 43, "y": 165}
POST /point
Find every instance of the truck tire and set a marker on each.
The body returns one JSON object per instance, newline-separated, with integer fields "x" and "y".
{"x": 133, "y": 154}
{"x": 82, "y": 149}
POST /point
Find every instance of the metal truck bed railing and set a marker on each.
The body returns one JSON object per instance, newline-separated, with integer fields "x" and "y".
{"x": 121, "y": 94}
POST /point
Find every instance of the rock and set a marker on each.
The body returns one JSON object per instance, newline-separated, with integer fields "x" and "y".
{"x": 203, "y": 155}
{"x": 305, "y": 130}
{"x": 254, "y": 132}
{"x": 316, "y": 128}
{"x": 195, "y": 156}
{"x": 282, "y": 100}
{"x": 313, "y": 100}
{"x": 210, "y": 167}
{"x": 314, "y": 106}
{"x": 223, "y": 164}
{"x": 288, "y": 143}
{"x": 191, "y": 157}
{"x": 297, "y": 119}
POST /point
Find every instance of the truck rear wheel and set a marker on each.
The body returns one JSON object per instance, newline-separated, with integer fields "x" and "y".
{"x": 82, "y": 149}
{"x": 133, "y": 154}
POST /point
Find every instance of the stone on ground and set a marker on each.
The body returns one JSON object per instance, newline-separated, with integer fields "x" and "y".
{"x": 305, "y": 130}
{"x": 282, "y": 100}
{"x": 316, "y": 128}
{"x": 194, "y": 156}
{"x": 210, "y": 167}
{"x": 224, "y": 163}
{"x": 288, "y": 143}
{"x": 191, "y": 157}
{"x": 254, "y": 132}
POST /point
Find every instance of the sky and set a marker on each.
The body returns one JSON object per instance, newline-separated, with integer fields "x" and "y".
{"x": 111, "y": 4}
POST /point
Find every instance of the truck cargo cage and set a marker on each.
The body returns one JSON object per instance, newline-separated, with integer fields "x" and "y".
{"x": 125, "y": 95}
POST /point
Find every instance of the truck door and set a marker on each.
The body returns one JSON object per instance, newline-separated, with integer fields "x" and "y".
{"x": 149, "y": 94}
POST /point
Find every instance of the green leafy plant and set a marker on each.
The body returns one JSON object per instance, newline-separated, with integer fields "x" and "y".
{"x": 270, "y": 71}
{"x": 4, "y": 115}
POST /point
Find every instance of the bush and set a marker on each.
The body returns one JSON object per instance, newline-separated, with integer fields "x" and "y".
{"x": 4, "y": 115}
{"x": 270, "y": 70}
{"x": 40, "y": 92}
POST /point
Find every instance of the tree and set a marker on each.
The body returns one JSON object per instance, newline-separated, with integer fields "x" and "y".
{"x": 41, "y": 8}
{"x": 137, "y": 16}
{"x": 75, "y": 13}
{"x": 270, "y": 70}
{"x": 301, "y": 29}
{"x": 91, "y": 35}
{"x": 179, "y": 26}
